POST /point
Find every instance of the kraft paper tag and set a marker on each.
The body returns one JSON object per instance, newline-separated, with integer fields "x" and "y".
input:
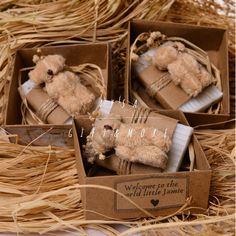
{"x": 168, "y": 94}
{"x": 156, "y": 120}
{"x": 152, "y": 193}
{"x": 36, "y": 97}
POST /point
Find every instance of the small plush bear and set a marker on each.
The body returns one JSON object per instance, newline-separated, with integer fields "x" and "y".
{"x": 61, "y": 84}
{"x": 184, "y": 69}
{"x": 132, "y": 142}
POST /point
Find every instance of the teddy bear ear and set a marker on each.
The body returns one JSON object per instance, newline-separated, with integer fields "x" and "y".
{"x": 61, "y": 59}
{"x": 36, "y": 59}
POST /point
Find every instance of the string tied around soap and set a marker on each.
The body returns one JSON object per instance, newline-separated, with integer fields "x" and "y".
{"x": 186, "y": 51}
{"x": 46, "y": 108}
{"x": 139, "y": 116}
{"x": 92, "y": 76}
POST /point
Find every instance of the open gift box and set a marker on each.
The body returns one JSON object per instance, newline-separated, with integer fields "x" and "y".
{"x": 98, "y": 54}
{"x": 212, "y": 40}
{"x": 155, "y": 192}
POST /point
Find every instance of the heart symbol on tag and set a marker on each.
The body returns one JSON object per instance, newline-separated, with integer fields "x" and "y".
{"x": 154, "y": 202}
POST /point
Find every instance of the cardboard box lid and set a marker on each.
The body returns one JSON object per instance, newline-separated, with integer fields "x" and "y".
{"x": 41, "y": 135}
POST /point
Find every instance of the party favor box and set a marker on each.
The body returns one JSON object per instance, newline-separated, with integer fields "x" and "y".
{"x": 134, "y": 192}
{"x": 143, "y": 78}
{"x": 97, "y": 54}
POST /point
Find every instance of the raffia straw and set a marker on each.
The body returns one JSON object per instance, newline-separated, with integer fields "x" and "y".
{"x": 31, "y": 181}
{"x": 191, "y": 156}
{"x": 35, "y": 23}
{"x": 88, "y": 70}
{"x": 178, "y": 224}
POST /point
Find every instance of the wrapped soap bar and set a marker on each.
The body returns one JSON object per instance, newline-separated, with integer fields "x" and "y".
{"x": 43, "y": 106}
{"x": 160, "y": 86}
{"x": 122, "y": 167}
{"x": 179, "y": 134}
{"x": 177, "y": 76}
{"x": 135, "y": 142}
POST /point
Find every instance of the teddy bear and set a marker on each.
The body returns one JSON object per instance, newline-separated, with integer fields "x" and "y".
{"x": 62, "y": 85}
{"x": 183, "y": 67}
{"x": 132, "y": 142}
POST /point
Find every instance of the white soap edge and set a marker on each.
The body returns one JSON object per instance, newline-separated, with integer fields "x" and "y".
{"x": 181, "y": 131}
{"x": 184, "y": 133}
{"x": 28, "y": 86}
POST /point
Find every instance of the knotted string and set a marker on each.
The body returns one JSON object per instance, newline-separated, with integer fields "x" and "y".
{"x": 158, "y": 85}
{"x": 46, "y": 109}
{"x": 139, "y": 116}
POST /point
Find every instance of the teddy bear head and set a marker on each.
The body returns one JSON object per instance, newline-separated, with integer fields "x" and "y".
{"x": 46, "y": 67}
{"x": 104, "y": 136}
{"x": 167, "y": 53}
{"x": 102, "y": 139}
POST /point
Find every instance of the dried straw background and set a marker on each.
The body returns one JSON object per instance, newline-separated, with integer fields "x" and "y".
{"x": 46, "y": 202}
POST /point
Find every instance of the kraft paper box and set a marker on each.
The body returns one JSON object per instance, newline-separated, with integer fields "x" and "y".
{"x": 158, "y": 193}
{"x": 211, "y": 40}
{"x": 54, "y": 135}
{"x": 205, "y": 119}
{"x": 99, "y": 54}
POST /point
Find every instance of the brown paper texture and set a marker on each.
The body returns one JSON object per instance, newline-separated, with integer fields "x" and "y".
{"x": 55, "y": 135}
{"x": 171, "y": 95}
{"x": 153, "y": 193}
{"x": 36, "y": 97}
{"x": 156, "y": 120}
{"x": 113, "y": 163}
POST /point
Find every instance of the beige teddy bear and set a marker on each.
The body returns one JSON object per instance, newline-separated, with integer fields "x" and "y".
{"x": 61, "y": 84}
{"x": 132, "y": 142}
{"x": 184, "y": 69}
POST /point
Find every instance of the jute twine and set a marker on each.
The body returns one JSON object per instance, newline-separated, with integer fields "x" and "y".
{"x": 46, "y": 109}
{"x": 158, "y": 85}
{"x": 139, "y": 116}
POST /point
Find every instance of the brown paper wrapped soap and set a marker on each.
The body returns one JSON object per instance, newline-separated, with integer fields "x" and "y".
{"x": 135, "y": 135}
{"x": 175, "y": 72}
{"x": 57, "y": 92}
{"x": 132, "y": 142}
{"x": 45, "y": 108}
